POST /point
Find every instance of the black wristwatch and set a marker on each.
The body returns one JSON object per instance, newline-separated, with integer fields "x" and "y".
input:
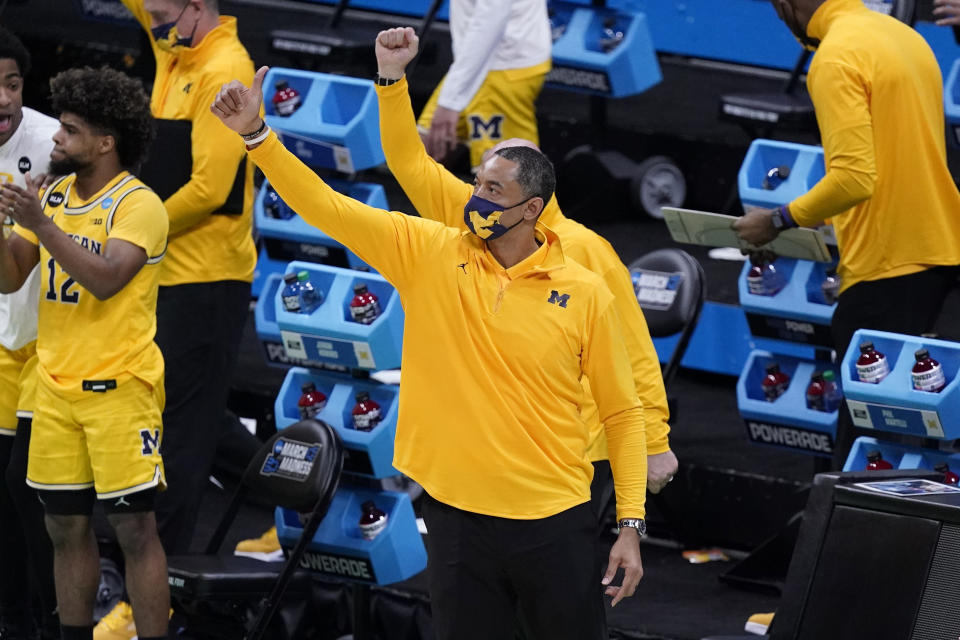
{"x": 385, "y": 82}
{"x": 776, "y": 219}
{"x": 635, "y": 523}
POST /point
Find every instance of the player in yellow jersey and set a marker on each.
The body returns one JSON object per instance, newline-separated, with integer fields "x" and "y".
{"x": 99, "y": 235}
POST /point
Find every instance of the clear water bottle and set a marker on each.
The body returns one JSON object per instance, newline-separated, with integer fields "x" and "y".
{"x": 612, "y": 35}
{"x": 275, "y": 207}
{"x": 291, "y": 293}
{"x": 775, "y": 177}
{"x": 310, "y": 298}
{"x": 832, "y": 396}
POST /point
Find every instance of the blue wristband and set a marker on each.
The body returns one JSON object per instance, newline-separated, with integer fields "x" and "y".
{"x": 788, "y": 221}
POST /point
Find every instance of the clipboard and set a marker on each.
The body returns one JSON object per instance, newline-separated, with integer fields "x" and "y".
{"x": 714, "y": 230}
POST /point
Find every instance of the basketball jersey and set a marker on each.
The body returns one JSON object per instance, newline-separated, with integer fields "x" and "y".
{"x": 28, "y": 149}
{"x": 81, "y": 338}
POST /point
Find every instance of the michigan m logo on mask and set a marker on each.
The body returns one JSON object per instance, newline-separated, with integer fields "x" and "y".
{"x": 151, "y": 441}
{"x": 482, "y": 225}
{"x": 491, "y": 129}
{"x": 558, "y": 298}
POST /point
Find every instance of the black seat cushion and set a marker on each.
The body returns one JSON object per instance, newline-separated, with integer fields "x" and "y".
{"x": 227, "y": 577}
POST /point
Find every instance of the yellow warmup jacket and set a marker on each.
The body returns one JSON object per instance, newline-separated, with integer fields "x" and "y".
{"x": 877, "y": 91}
{"x": 207, "y": 243}
{"x": 80, "y": 337}
{"x": 492, "y": 358}
{"x": 438, "y": 194}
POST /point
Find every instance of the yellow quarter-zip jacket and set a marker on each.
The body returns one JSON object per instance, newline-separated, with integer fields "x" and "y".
{"x": 489, "y": 417}
{"x": 207, "y": 242}
{"x": 877, "y": 91}
{"x": 439, "y": 195}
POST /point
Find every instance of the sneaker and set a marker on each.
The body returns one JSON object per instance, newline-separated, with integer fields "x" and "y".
{"x": 116, "y": 625}
{"x": 266, "y": 547}
{"x": 758, "y": 623}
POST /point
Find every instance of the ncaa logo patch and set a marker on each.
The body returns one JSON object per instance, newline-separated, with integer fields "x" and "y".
{"x": 55, "y": 199}
{"x": 24, "y": 164}
{"x": 106, "y": 203}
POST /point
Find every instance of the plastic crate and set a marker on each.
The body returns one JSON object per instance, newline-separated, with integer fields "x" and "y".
{"x": 579, "y": 62}
{"x": 337, "y": 125}
{"x": 806, "y": 169}
{"x": 328, "y": 335}
{"x": 893, "y": 404}
{"x": 339, "y": 550}
{"x": 786, "y": 422}
{"x": 899, "y": 455}
{"x": 371, "y": 452}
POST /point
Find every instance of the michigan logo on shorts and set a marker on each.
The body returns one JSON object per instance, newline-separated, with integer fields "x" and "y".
{"x": 151, "y": 441}
{"x": 491, "y": 129}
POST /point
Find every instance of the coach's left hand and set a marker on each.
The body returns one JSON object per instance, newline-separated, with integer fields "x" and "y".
{"x": 625, "y": 553}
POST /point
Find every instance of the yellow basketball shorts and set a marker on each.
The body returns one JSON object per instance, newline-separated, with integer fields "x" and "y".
{"x": 106, "y": 440}
{"x": 502, "y": 108}
{"x": 17, "y": 385}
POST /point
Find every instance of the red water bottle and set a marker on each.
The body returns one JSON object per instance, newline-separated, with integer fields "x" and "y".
{"x": 366, "y": 413}
{"x": 755, "y": 283}
{"x": 311, "y": 402}
{"x": 775, "y": 382}
{"x": 286, "y": 99}
{"x": 875, "y": 461}
{"x": 949, "y": 477}
{"x": 872, "y": 366}
{"x": 927, "y": 374}
{"x": 373, "y": 521}
{"x": 365, "y": 306}
{"x": 815, "y": 392}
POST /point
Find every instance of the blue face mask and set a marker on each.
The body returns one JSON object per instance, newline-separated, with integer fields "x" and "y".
{"x": 166, "y": 34}
{"x": 482, "y": 217}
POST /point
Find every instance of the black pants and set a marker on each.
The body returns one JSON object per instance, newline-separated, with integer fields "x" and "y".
{"x": 199, "y": 327}
{"x": 26, "y": 554}
{"x": 485, "y": 571}
{"x": 905, "y": 304}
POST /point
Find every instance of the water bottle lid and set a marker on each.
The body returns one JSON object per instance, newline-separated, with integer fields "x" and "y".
{"x": 831, "y": 271}
{"x": 873, "y": 456}
{"x": 817, "y": 376}
{"x": 866, "y": 346}
{"x": 784, "y": 171}
{"x": 360, "y": 288}
{"x": 308, "y": 386}
{"x": 290, "y": 278}
{"x": 368, "y": 505}
{"x": 921, "y": 354}
{"x": 303, "y": 276}
{"x": 362, "y": 396}
{"x": 942, "y": 467}
{"x": 773, "y": 367}
{"x": 828, "y": 376}
{"x": 281, "y": 85}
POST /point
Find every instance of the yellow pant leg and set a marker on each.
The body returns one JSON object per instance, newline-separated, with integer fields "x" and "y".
{"x": 124, "y": 431}
{"x": 58, "y": 457}
{"x": 12, "y": 366}
{"x": 503, "y": 107}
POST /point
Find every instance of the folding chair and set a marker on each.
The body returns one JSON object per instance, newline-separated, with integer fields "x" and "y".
{"x": 226, "y": 596}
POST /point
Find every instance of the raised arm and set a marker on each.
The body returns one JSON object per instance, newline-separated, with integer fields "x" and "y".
{"x": 392, "y": 243}
{"x": 436, "y": 193}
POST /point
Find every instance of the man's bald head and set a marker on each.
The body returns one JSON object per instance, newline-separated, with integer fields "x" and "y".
{"x": 511, "y": 142}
